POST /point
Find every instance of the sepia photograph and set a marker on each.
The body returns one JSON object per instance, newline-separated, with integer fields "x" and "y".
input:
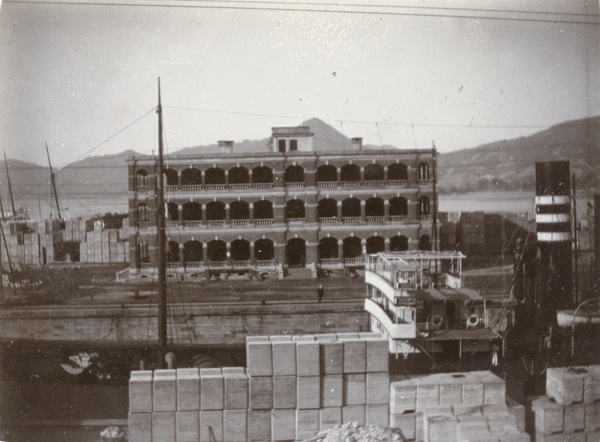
{"x": 299, "y": 221}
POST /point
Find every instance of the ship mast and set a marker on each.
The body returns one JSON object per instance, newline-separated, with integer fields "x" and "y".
{"x": 12, "y": 201}
{"x": 162, "y": 265}
{"x": 53, "y": 183}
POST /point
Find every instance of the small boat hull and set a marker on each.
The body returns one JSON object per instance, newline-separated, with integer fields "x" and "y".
{"x": 566, "y": 318}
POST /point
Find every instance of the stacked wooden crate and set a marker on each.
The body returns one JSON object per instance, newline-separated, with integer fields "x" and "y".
{"x": 570, "y": 411}
{"x": 455, "y": 406}
{"x": 102, "y": 246}
{"x": 292, "y": 388}
{"x": 319, "y": 381}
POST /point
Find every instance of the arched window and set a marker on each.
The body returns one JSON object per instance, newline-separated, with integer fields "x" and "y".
{"x": 192, "y": 251}
{"x": 239, "y": 210}
{"x": 214, "y": 175}
{"x": 374, "y": 172}
{"x": 263, "y": 209}
{"x": 172, "y": 251}
{"x": 375, "y": 244}
{"x": 350, "y": 172}
{"x": 424, "y": 242}
{"x": 328, "y": 248}
{"x": 351, "y": 207}
{"x": 326, "y": 173}
{"x": 262, "y": 175}
{"x": 398, "y": 206}
{"x": 141, "y": 178}
{"x": 192, "y": 211}
{"x": 375, "y": 207}
{"x": 398, "y": 243}
{"x": 215, "y": 211}
{"x": 424, "y": 206}
{"x": 296, "y": 252}
{"x": 264, "y": 250}
{"x": 142, "y": 212}
{"x": 352, "y": 247}
{"x": 294, "y": 209}
{"x": 191, "y": 177}
{"x": 240, "y": 250}
{"x": 172, "y": 211}
{"x": 171, "y": 177}
{"x": 397, "y": 172}
{"x": 216, "y": 251}
{"x": 294, "y": 174}
{"x": 423, "y": 172}
{"x": 327, "y": 208}
{"x": 239, "y": 175}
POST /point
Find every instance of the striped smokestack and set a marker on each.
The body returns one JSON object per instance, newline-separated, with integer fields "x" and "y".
{"x": 553, "y": 228}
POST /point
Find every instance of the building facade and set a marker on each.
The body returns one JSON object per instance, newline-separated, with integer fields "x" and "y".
{"x": 288, "y": 207}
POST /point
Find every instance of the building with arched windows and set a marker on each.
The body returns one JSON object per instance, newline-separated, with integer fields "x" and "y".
{"x": 292, "y": 205}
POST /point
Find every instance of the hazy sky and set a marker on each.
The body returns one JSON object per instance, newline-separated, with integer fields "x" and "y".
{"x": 74, "y": 75}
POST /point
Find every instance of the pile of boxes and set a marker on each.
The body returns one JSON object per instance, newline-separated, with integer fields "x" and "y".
{"x": 570, "y": 411}
{"x": 104, "y": 245}
{"x": 291, "y": 388}
{"x": 467, "y": 406}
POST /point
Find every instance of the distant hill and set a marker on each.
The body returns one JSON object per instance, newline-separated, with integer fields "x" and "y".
{"x": 506, "y": 165}
{"x": 510, "y": 164}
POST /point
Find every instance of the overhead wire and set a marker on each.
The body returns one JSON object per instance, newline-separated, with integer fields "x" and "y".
{"x": 313, "y": 8}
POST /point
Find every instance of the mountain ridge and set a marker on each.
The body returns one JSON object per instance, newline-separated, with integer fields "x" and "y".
{"x": 498, "y": 166}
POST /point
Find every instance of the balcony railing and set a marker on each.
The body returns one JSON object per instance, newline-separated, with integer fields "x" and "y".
{"x": 141, "y": 189}
{"x": 241, "y": 186}
{"x": 265, "y": 263}
{"x": 295, "y": 185}
{"x": 329, "y": 220}
{"x": 374, "y": 183}
{"x": 216, "y": 186}
{"x": 354, "y": 261}
{"x": 289, "y": 185}
{"x": 173, "y": 265}
{"x": 375, "y": 219}
{"x": 143, "y": 224}
{"x": 172, "y": 223}
{"x": 192, "y": 223}
{"x": 240, "y": 222}
{"x": 424, "y": 217}
{"x": 329, "y": 262}
{"x": 194, "y": 265}
{"x": 241, "y": 264}
{"x": 262, "y": 186}
{"x": 296, "y": 220}
{"x": 398, "y": 218}
{"x": 263, "y": 222}
{"x": 397, "y": 183}
{"x": 327, "y": 184}
{"x": 216, "y": 223}
{"x": 352, "y": 219}
{"x": 217, "y": 264}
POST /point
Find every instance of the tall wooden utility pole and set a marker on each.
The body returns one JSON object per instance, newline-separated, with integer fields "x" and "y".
{"x": 162, "y": 264}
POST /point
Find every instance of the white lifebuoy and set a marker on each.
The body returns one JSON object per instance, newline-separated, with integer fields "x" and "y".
{"x": 436, "y": 321}
{"x": 473, "y": 321}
